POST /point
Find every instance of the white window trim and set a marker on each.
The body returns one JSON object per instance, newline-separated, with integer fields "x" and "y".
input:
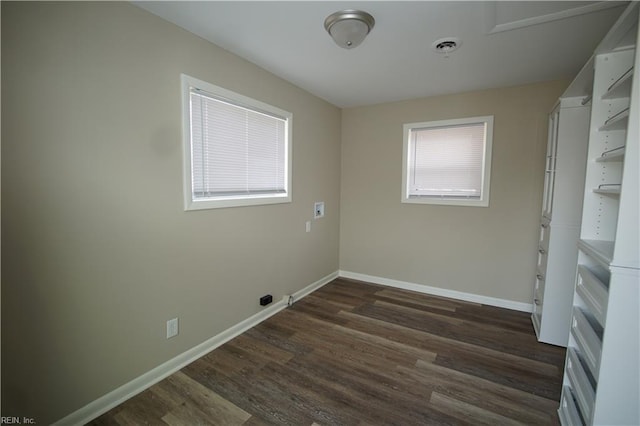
{"x": 189, "y": 82}
{"x": 486, "y": 172}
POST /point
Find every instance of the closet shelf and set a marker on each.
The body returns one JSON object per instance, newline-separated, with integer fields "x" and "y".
{"x": 601, "y": 251}
{"x": 603, "y": 351}
{"x": 617, "y": 122}
{"x": 621, "y": 88}
{"x": 615, "y": 154}
{"x": 607, "y": 191}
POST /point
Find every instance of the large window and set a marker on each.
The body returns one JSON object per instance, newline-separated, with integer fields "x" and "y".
{"x": 447, "y": 162}
{"x": 237, "y": 151}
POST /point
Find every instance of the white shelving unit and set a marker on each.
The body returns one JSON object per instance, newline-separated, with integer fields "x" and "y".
{"x": 602, "y": 371}
{"x": 560, "y": 221}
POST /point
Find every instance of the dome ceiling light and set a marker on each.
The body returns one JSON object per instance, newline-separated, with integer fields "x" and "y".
{"x": 348, "y": 28}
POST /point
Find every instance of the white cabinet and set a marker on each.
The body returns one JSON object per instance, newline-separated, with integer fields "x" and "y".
{"x": 560, "y": 221}
{"x": 602, "y": 370}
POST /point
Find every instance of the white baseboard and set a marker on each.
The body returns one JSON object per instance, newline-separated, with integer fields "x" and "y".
{"x": 453, "y": 294}
{"x": 150, "y": 378}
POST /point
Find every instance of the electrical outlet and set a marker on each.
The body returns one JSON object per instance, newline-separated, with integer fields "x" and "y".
{"x": 318, "y": 210}
{"x": 172, "y": 328}
{"x": 266, "y": 299}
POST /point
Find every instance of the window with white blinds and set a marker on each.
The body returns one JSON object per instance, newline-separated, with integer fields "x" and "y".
{"x": 448, "y": 162}
{"x": 237, "y": 149}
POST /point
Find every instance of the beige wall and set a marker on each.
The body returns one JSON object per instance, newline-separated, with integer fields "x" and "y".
{"x": 484, "y": 251}
{"x": 97, "y": 251}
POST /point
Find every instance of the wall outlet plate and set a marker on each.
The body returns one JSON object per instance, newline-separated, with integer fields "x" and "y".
{"x": 318, "y": 209}
{"x": 172, "y": 328}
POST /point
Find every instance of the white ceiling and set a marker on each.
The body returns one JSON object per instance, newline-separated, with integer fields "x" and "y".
{"x": 503, "y": 43}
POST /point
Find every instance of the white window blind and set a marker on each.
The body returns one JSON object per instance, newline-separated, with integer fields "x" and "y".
{"x": 235, "y": 150}
{"x": 448, "y": 161}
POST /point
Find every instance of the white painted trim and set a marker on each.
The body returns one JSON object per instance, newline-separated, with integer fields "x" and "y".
{"x": 492, "y": 27}
{"x": 313, "y": 287}
{"x": 151, "y": 377}
{"x": 452, "y": 294}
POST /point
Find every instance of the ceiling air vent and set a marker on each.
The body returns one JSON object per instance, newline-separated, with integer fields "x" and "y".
{"x": 446, "y": 45}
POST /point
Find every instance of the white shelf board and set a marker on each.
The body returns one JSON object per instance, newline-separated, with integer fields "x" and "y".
{"x": 601, "y": 251}
{"x": 617, "y": 122}
{"x": 615, "y": 191}
{"x": 612, "y": 155}
{"x": 621, "y": 88}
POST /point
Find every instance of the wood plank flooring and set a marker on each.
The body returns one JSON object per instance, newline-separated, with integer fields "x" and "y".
{"x": 354, "y": 353}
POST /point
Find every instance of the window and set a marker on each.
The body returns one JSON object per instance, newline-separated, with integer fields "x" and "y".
{"x": 237, "y": 151}
{"x": 447, "y": 162}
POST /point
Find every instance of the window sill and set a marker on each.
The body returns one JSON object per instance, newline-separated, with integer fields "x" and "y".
{"x": 243, "y": 201}
{"x": 446, "y": 201}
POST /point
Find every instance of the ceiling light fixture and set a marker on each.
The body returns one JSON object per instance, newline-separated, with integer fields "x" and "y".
{"x": 348, "y": 28}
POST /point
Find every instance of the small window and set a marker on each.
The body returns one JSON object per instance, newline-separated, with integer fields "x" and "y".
{"x": 237, "y": 151}
{"x": 447, "y": 162}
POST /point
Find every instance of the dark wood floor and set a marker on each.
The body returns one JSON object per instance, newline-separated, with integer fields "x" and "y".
{"x": 356, "y": 353}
